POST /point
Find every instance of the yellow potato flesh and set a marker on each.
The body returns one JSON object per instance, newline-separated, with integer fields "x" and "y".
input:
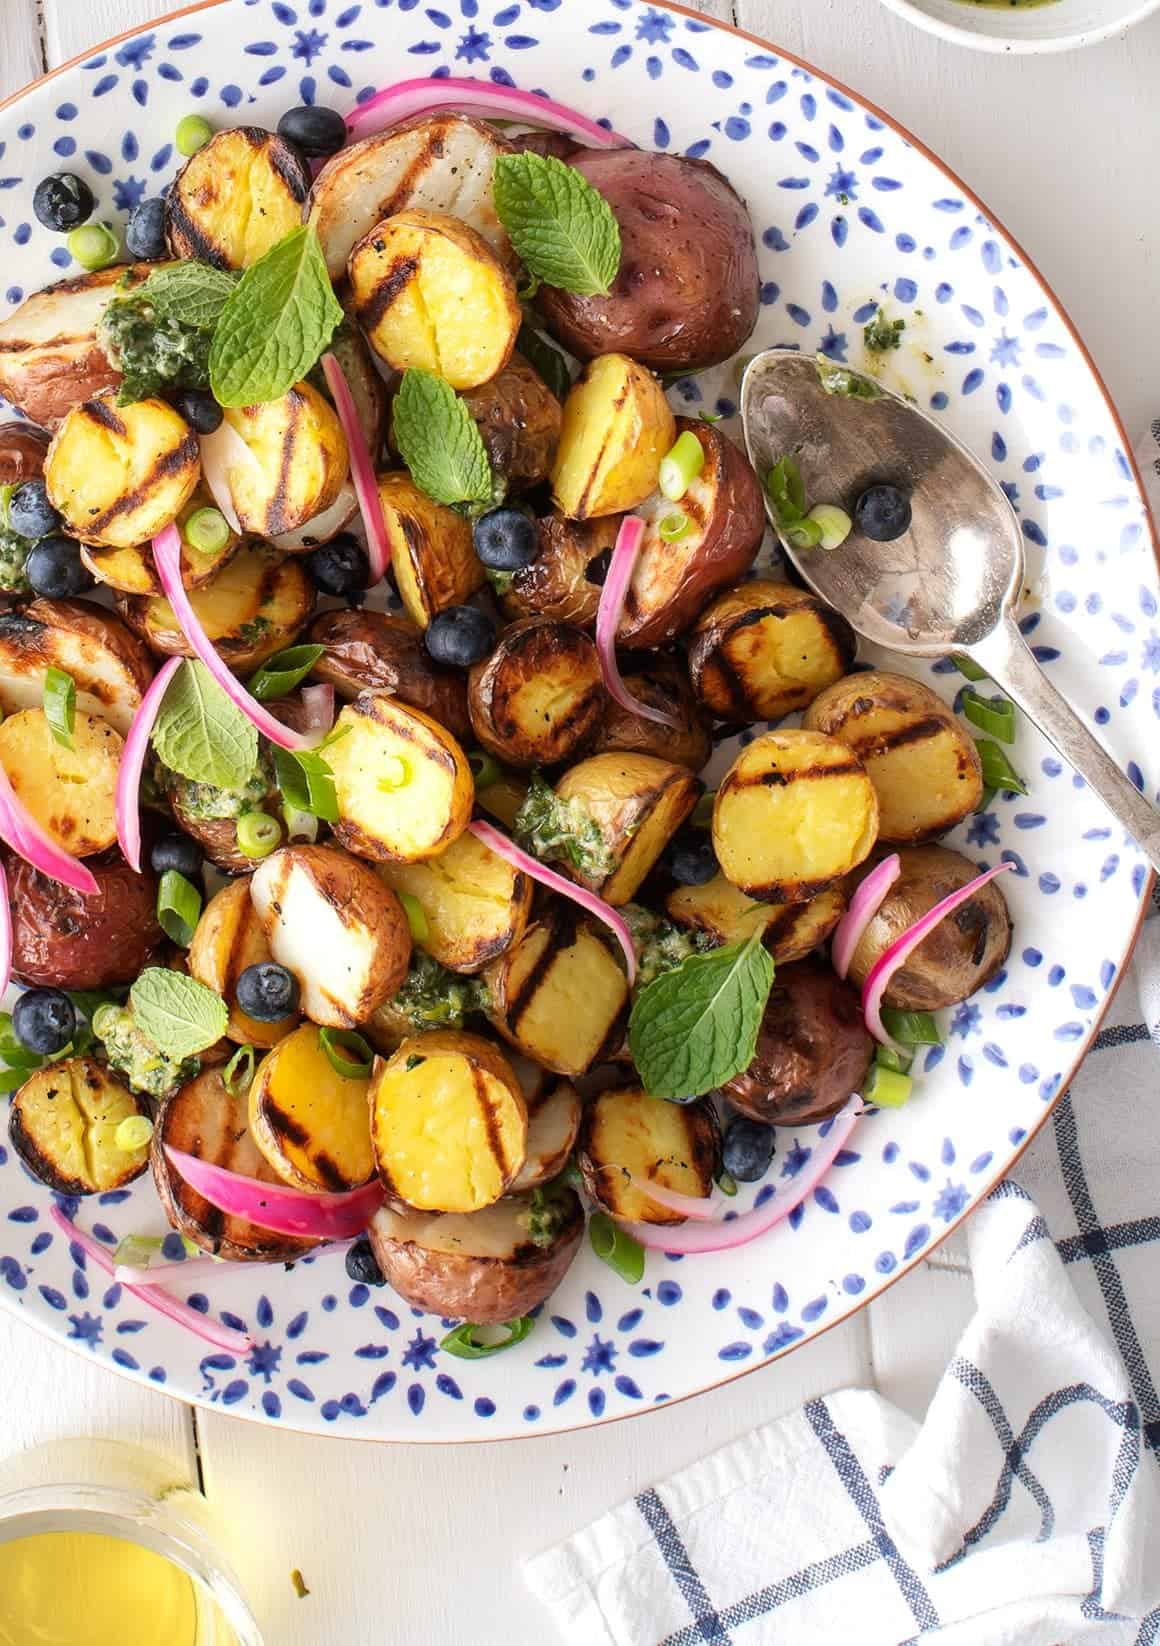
{"x": 470, "y": 901}
{"x": 118, "y": 474}
{"x": 432, "y": 556}
{"x": 650, "y": 1138}
{"x": 299, "y": 460}
{"x": 617, "y": 426}
{"x": 309, "y": 1121}
{"x": 70, "y": 792}
{"x": 239, "y": 203}
{"x": 403, "y": 784}
{"x": 564, "y": 1019}
{"x": 69, "y": 1114}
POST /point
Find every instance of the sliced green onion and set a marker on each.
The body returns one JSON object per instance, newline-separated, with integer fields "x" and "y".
{"x": 138, "y": 1251}
{"x": 307, "y": 783}
{"x": 239, "y": 1071}
{"x": 803, "y": 534}
{"x": 998, "y": 772}
{"x": 786, "y": 490}
{"x": 301, "y": 827}
{"x": 134, "y": 1132}
{"x": 60, "y": 705}
{"x": 704, "y": 416}
{"x": 994, "y": 715}
{"x": 887, "y": 1058}
{"x": 394, "y": 773}
{"x": 192, "y": 133}
{"x": 279, "y": 674}
{"x": 336, "y": 1041}
{"x": 680, "y": 466}
{"x": 94, "y": 246}
{"x": 528, "y": 290}
{"x": 466, "y": 1342}
{"x": 207, "y": 531}
{"x": 911, "y": 1028}
{"x": 178, "y": 907}
{"x": 258, "y": 834}
{"x": 674, "y": 526}
{"x": 727, "y": 1184}
{"x": 886, "y": 1087}
{"x": 416, "y": 915}
{"x": 623, "y": 1254}
{"x": 484, "y": 769}
{"x": 702, "y": 813}
{"x": 835, "y": 524}
{"x": 6, "y": 494}
{"x": 970, "y": 669}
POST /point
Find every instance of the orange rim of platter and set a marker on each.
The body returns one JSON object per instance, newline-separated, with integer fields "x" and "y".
{"x": 1126, "y": 446}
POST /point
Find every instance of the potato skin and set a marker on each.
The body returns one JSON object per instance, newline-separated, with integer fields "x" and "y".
{"x": 921, "y": 759}
{"x": 671, "y": 582}
{"x": 519, "y": 419}
{"x": 686, "y": 295}
{"x": 109, "y": 664}
{"x": 22, "y": 452}
{"x": 764, "y": 650}
{"x": 813, "y": 1050}
{"x": 229, "y": 938}
{"x": 65, "y": 940}
{"x": 961, "y": 954}
{"x": 539, "y": 697}
{"x": 382, "y": 652}
{"x": 565, "y": 579}
{"x": 662, "y": 684}
{"x": 639, "y": 803}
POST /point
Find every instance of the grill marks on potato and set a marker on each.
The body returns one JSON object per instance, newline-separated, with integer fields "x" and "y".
{"x": 63, "y": 1124}
{"x": 764, "y": 649}
{"x": 378, "y": 300}
{"x": 560, "y": 994}
{"x": 229, "y": 937}
{"x": 309, "y": 1121}
{"x": 540, "y": 694}
{"x": 117, "y": 475}
{"x": 674, "y": 1145}
{"x": 236, "y": 197}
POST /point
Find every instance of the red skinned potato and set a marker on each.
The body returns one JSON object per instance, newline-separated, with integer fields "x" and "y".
{"x": 65, "y": 940}
{"x": 813, "y": 1050}
{"x": 22, "y": 453}
{"x": 381, "y": 652}
{"x": 686, "y": 295}
{"x": 672, "y": 582}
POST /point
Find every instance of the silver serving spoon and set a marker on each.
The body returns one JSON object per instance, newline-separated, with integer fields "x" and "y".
{"x": 952, "y": 581}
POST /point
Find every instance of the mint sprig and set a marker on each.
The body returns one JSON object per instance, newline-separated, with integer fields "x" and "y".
{"x": 695, "y": 1027}
{"x": 179, "y": 1015}
{"x": 563, "y": 229}
{"x": 439, "y": 440}
{"x": 200, "y": 734}
{"x": 275, "y": 323}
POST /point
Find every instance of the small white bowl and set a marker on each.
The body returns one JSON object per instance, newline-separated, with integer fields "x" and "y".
{"x": 1060, "y": 26}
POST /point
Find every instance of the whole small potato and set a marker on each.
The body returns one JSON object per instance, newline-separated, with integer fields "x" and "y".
{"x": 519, "y": 420}
{"x": 565, "y": 579}
{"x": 63, "y": 939}
{"x": 813, "y": 1050}
{"x": 381, "y": 652}
{"x": 962, "y": 952}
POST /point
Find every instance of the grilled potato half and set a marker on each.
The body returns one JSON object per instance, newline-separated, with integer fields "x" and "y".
{"x": 617, "y": 426}
{"x": 331, "y": 921}
{"x": 63, "y": 1125}
{"x": 432, "y": 556}
{"x": 109, "y": 666}
{"x": 251, "y": 609}
{"x": 629, "y": 1139}
{"x": 404, "y": 786}
{"x": 441, "y": 163}
{"x": 474, "y": 903}
{"x": 483, "y": 1267}
{"x": 449, "y": 1122}
{"x": 564, "y": 581}
{"x": 921, "y": 759}
{"x": 430, "y": 292}
{"x": 49, "y": 355}
{"x": 795, "y": 812}
{"x": 537, "y": 987}
{"x": 554, "y": 1115}
{"x": 308, "y": 1120}
{"x": 236, "y": 198}
{"x": 662, "y": 684}
{"x": 789, "y": 930}
{"x": 539, "y": 697}
{"x": 380, "y": 652}
{"x": 203, "y": 1119}
{"x": 298, "y": 461}
{"x": 117, "y": 474}
{"x": 638, "y": 802}
{"x": 519, "y": 419}
{"x": 228, "y": 938}
{"x": 131, "y": 570}
{"x": 69, "y": 791}
{"x": 764, "y": 650}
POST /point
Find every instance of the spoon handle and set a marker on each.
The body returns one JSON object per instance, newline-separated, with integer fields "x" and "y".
{"x": 1008, "y": 660}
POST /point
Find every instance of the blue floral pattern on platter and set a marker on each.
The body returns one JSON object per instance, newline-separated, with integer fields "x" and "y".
{"x": 849, "y": 215}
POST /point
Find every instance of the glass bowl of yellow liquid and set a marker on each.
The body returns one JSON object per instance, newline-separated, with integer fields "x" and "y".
{"x": 1024, "y": 25}
{"x": 114, "y": 1561}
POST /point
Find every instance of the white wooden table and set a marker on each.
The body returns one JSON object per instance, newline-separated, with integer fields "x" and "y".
{"x": 422, "y": 1544}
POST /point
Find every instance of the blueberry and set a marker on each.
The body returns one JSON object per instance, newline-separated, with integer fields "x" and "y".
{"x": 200, "y": 410}
{"x": 44, "y": 1021}
{"x": 690, "y": 858}
{"x": 313, "y": 130}
{"x": 339, "y": 567}
{"x": 63, "y": 201}
{"x": 506, "y": 540}
{"x": 145, "y": 230}
{"x": 177, "y": 851}
{"x": 362, "y": 1266}
{"x": 882, "y": 513}
{"x": 55, "y": 569}
{"x": 460, "y": 636}
{"x": 29, "y": 511}
{"x": 267, "y": 992}
{"x": 747, "y": 1149}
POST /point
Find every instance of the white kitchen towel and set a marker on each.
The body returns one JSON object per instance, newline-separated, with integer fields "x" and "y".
{"x": 1025, "y": 1509}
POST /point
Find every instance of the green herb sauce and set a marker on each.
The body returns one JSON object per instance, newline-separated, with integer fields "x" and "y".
{"x": 132, "y": 1054}
{"x": 562, "y": 831}
{"x": 432, "y": 997}
{"x": 660, "y": 946}
{"x": 208, "y": 801}
{"x": 152, "y": 351}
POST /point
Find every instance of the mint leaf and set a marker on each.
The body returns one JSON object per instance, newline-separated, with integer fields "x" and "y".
{"x": 439, "y": 440}
{"x": 563, "y": 229}
{"x": 694, "y": 1028}
{"x": 307, "y": 783}
{"x": 180, "y": 1016}
{"x": 275, "y": 323}
{"x": 200, "y": 734}
{"x": 548, "y": 362}
{"x": 192, "y": 292}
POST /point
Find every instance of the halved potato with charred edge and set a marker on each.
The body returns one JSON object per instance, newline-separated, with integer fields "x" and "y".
{"x": 432, "y": 556}
{"x": 118, "y": 474}
{"x": 617, "y": 426}
{"x": 236, "y": 198}
{"x": 70, "y": 791}
{"x": 131, "y": 570}
{"x": 63, "y": 1126}
{"x": 554, "y": 1116}
{"x": 638, "y": 801}
{"x": 765, "y": 649}
{"x": 474, "y": 903}
{"x": 538, "y": 698}
{"x": 253, "y": 607}
{"x": 294, "y": 463}
{"x": 110, "y": 667}
{"x": 560, "y": 994}
{"x": 789, "y": 930}
{"x": 228, "y": 938}
{"x": 565, "y": 579}
{"x": 662, "y": 684}
{"x": 309, "y": 1121}
{"x": 625, "y": 1131}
